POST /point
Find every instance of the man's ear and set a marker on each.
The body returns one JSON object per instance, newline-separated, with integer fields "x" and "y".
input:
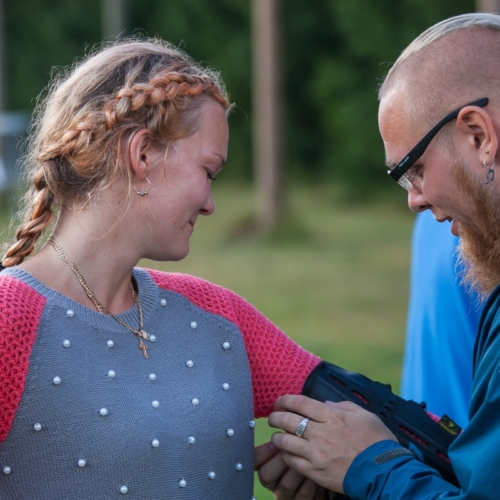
{"x": 478, "y": 133}
{"x": 140, "y": 152}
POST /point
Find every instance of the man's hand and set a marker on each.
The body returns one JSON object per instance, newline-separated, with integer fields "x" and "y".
{"x": 283, "y": 482}
{"x": 335, "y": 435}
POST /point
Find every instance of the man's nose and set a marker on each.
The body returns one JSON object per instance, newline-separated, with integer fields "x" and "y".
{"x": 417, "y": 201}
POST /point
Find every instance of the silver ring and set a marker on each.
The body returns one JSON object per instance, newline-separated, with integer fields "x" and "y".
{"x": 301, "y": 428}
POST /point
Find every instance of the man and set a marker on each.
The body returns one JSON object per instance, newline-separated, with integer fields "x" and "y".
{"x": 441, "y": 103}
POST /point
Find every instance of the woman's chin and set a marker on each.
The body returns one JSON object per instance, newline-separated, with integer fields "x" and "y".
{"x": 178, "y": 255}
{"x": 173, "y": 255}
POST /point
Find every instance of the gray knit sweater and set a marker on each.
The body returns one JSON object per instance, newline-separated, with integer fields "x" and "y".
{"x": 97, "y": 421}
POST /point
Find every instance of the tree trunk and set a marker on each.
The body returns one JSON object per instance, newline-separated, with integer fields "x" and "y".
{"x": 488, "y": 6}
{"x": 113, "y": 20}
{"x": 267, "y": 112}
{"x": 3, "y": 173}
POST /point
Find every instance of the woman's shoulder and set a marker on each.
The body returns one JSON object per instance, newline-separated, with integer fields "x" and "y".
{"x": 20, "y": 304}
{"x": 185, "y": 284}
{"x": 209, "y": 296}
{"x": 15, "y": 292}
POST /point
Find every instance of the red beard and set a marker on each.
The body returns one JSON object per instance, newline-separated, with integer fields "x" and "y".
{"x": 479, "y": 246}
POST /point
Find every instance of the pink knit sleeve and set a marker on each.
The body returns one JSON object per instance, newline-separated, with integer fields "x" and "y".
{"x": 20, "y": 311}
{"x": 278, "y": 365}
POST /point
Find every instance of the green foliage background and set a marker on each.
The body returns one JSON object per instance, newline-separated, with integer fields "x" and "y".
{"x": 335, "y": 53}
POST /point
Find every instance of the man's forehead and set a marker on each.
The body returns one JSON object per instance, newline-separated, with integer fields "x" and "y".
{"x": 393, "y": 105}
{"x": 396, "y": 130}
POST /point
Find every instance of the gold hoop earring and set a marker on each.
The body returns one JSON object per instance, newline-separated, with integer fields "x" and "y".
{"x": 490, "y": 174}
{"x": 143, "y": 193}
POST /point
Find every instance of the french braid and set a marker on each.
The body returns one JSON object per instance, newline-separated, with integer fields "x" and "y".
{"x": 29, "y": 232}
{"x": 74, "y": 145}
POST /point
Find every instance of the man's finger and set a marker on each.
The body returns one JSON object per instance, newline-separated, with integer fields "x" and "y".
{"x": 270, "y": 472}
{"x": 286, "y": 421}
{"x": 302, "y": 405}
{"x": 291, "y": 485}
{"x": 290, "y": 443}
{"x": 264, "y": 453}
{"x": 307, "y": 490}
{"x": 298, "y": 463}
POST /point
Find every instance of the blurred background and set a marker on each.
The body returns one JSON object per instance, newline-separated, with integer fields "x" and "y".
{"x": 308, "y": 227}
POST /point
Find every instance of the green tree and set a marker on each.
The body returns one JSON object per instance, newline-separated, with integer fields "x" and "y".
{"x": 41, "y": 35}
{"x": 338, "y": 52}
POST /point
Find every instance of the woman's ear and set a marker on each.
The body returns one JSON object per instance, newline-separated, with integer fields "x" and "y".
{"x": 139, "y": 152}
{"x": 478, "y": 133}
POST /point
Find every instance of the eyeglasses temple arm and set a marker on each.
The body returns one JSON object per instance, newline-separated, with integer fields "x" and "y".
{"x": 399, "y": 170}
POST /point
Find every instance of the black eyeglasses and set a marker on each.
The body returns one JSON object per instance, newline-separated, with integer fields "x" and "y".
{"x": 399, "y": 172}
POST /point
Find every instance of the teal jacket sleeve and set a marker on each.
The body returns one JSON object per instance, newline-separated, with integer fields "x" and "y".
{"x": 378, "y": 474}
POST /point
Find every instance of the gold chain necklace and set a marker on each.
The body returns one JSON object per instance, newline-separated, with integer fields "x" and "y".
{"x": 140, "y": 333}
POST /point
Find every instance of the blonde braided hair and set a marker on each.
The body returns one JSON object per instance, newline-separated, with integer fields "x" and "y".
{"x": 75, "y": 137}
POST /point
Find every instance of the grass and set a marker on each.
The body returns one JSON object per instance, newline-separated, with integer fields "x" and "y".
{"x": 335, "y": 277}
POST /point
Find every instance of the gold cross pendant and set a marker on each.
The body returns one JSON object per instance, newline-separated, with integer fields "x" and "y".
{"x": 143, "y": 347}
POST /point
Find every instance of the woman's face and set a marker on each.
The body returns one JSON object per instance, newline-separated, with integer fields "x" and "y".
{"x": 181, "y": 180}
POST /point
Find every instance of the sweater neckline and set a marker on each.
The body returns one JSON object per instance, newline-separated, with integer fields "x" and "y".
{"x": 147, "y": 292}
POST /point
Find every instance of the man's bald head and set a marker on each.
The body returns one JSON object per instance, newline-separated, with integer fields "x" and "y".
{"x": 452, "y": 63}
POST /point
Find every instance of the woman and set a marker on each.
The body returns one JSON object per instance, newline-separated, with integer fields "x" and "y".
{"x": 119, "y": 381}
